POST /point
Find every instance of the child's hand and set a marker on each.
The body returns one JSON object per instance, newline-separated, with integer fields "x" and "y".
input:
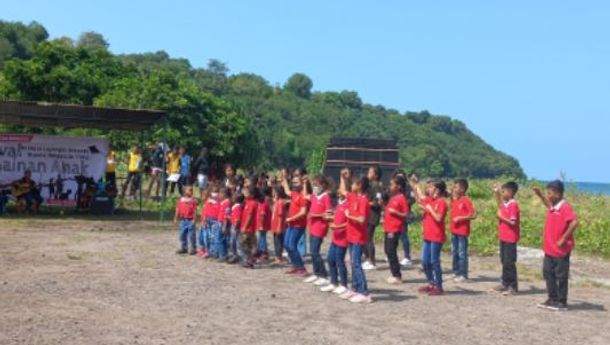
{"x": 561, "y": 242}
{"x": 457, "y": 220}
{"x": 497, "y": 187}
{"x": 499, "y": 214}
{"x": 537, "y": 191}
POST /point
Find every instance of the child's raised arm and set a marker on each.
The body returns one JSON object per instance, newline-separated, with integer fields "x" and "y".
{"x": 545, "y": 201}
{"x": 497, "y": 188}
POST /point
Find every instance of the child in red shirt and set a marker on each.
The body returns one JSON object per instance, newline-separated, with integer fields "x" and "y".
{"x": 558, "y": 243}
{"x": 210, "y": 223}
{"x": 395, "y": 216}
{"x": 435, "y": 209}
{"x": 236, "y": 212}
{"x": 296, "y": 220}
{"x": 263, "y": 223}
{"x": 509, "y": 228}
{"x": 248, "y": 226}
{"x": 337, "y": 250}
{"x": 224, "y": 214}
{"x": 462, "y": 212}
{"x": 278, "y": 222}
{"x": 319, "y": 209}
{"x": 202, "y": 234}
{"x": 357, "y": 215}
{"x": 186, "y": 211}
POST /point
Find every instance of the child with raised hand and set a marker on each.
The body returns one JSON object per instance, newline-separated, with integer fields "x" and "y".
{"x": 278, "y": 222}
{"x": 434, "y": 209}
{"x": 319, "y": 209}
{"x": 357, "y": 215}
{"x": 462, "y": 212}
{"x": 248, "y": 226}
{"x": 224, "y": 215}
{"x": 558, "y": 243}
{"x": 296, "y": 220}
{"x": 236, "y": 212}
{"x": 395, "y": 215}
{"x": 509, "y": 233}
{"x": 186, "y": 211}
{"x": 338, "y": 249}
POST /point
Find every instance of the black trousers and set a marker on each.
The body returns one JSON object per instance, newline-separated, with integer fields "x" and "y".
{"x": 278, "y": 244}
{"x": 556, "y": 272}
{"x": 391, "y": 247}
{"x": 134, "y": 178}
{"x": 369, "y": 253}
{"x": 508, "y": 256}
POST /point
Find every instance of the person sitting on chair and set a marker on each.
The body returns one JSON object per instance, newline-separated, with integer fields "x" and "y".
{"x": 27, "y": 193}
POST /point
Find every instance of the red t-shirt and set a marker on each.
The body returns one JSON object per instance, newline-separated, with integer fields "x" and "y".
{"x": 320, "y": 204}
{"x": 391, "y": 222}
{"x": 278, "y": 218}
{"x": 358, "y": 206}
{"x": 236, "y": 214}
{"x": 249, "y": 211}
{"x": 506, "y": 232}
{"x": 459, "y": 208}
{"x": 186, "y": 207}
{"x": 224, "y": 210}
{"x": 434, "y": 231}
{"x": 297, "y": 202}
{"x": 210, "y": 210}
{"x": 263, "y": 216}
{"x": 339, "y": 237}
{"x": 558, "y": 219}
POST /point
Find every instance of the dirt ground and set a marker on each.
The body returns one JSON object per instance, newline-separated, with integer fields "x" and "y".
{"x": 119, "y": 282}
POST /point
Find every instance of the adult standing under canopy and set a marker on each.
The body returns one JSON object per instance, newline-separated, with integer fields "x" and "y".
{"x": 201, "y": 169}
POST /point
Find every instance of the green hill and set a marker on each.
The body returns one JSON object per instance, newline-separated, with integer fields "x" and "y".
{"x": 240, "y": 117}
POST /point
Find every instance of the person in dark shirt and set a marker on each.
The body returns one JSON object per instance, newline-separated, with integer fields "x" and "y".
{"x": 156, "y": 164}
{"x": 201, "y": 169}
{"x": 374, "y": 195}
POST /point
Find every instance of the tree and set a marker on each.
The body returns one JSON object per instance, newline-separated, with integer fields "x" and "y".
{"x": 92, "y": 40}
{"x": 18, "y": 40}
{"x": 299, "y": 84}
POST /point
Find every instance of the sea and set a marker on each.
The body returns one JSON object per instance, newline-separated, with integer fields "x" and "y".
{"x": 591, "y": 187}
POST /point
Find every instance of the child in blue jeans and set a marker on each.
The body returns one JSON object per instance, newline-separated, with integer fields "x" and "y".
{"x": 186, "y": 210}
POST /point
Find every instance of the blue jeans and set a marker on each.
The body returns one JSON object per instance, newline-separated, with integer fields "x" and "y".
{"x": 336, "y": 264}
{"x": 234, "y": 241}
{"x": 214, "y": 236}
{"x": 302, "y": 246}
{"x": 459, "y": 249}
{"x": 431, "y": 262}
{"x": 406, "y": 245}
{"x": 187, "y": 234}
{"x": 261, "y": 244}
{"x": 220, "y": 241}
{"x": 319, "y": 269}
{"x": 293, "y": 235}
{"x": 358, "y": 278}
{"x": 203, "y": 237}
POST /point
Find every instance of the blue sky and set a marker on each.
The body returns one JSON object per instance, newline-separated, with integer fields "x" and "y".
{"x": 532, "y": 78}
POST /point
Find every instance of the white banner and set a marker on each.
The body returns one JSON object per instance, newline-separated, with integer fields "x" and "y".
{"x": 49, "y": 156}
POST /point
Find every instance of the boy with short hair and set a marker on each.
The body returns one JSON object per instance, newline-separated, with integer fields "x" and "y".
{"x": 462, "y": 212}
{"x": 558, "y": 243}
{"x": 509, "y": 231}
{"x": 186, "y": 210}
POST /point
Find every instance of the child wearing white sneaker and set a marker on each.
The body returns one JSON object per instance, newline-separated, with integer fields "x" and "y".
{"x": 337, "y": 250}
{"x": 357, "y": 215}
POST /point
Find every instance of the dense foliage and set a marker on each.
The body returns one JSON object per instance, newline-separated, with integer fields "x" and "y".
{"x": 240, "y": 117}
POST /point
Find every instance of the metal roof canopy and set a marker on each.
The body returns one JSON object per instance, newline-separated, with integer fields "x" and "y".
{"x": 42, "y": 114}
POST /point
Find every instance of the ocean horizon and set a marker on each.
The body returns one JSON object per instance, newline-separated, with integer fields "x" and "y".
{"x": 590, "y": 187}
